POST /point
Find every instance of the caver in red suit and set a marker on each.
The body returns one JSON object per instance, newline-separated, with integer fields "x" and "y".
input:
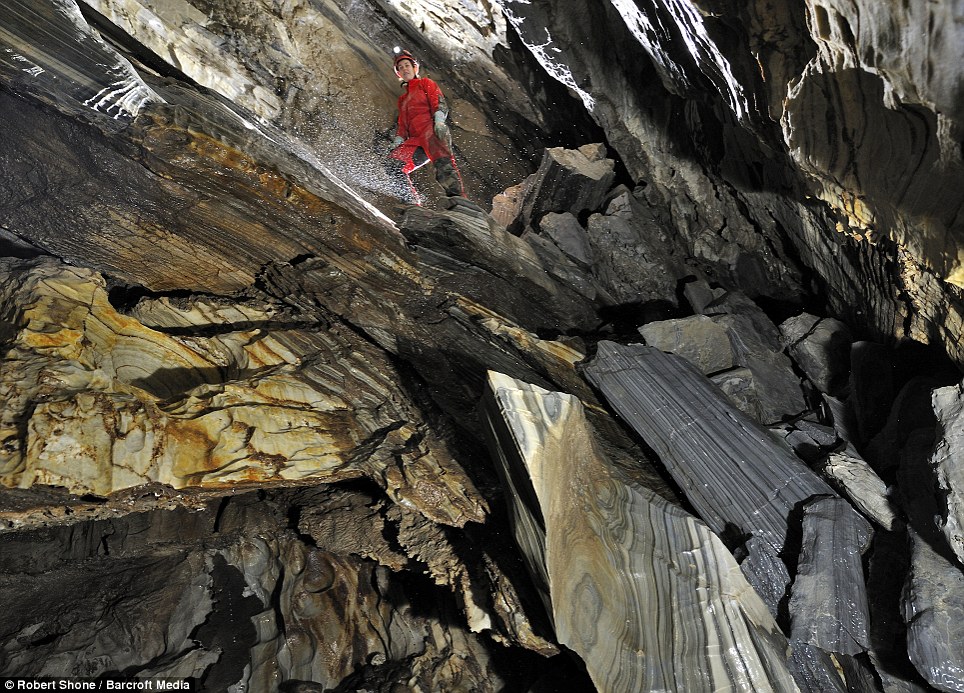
{"x": 422, "y": 133}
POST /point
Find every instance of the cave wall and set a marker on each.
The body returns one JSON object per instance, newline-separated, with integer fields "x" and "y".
{"x": 765, "y": 112}
{"x": 714, "y": 111}
{"x": 230, "y": 359}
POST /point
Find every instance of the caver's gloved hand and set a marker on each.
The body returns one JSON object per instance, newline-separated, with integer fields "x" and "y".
{"x": 396, "y": 143}
{"x": 441, "y": 129}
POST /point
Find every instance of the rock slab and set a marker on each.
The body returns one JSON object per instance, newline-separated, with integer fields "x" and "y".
{"x": 633, "y": 581}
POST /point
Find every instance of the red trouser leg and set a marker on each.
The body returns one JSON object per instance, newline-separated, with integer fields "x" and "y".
{"x": 406, "y": 153}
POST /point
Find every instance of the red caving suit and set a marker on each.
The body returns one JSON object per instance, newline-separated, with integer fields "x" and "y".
{"x": 416, "y": 108}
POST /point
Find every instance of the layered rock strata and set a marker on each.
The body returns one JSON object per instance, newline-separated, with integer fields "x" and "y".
{"x": 230, "y": 594}
{"x": 291, "y": 429}
{"x": 948, "y": 463}
{"x": 829, "y": 600}
{"x": 739, "y": 480}
{"x": 97, "y": 403}
{"x": 607, "y": 553}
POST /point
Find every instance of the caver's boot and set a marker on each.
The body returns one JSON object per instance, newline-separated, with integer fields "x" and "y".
{"x": 448, "y": 177}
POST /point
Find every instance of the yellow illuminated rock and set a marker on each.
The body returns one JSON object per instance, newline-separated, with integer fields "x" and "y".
{"x": 97, "y": 402}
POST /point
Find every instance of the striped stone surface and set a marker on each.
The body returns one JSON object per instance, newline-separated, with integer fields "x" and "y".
{"x": 641, "y": 590}
{"x": 737, "y": 477}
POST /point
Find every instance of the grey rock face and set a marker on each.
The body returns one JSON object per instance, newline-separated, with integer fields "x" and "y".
{"x": 948, "y": 463}
{"x": 933, "y": 608}
{"x": 858, "y": 482}
{"x": 700, "y": 340}
{"x": 738, "y": 478}
{"x": 821, "y": 347}
{"x": 759, "y": 147}
{"x": 222, "y": 592}
{"x": 829, "y": 603}
{"x": 810, "y": 441}
{"x": 566, "y": 232}
{"x": 568, "y": 180}
{"x": 95, "y": 83}
{"x": 761, "y": 382}
{"x": 635, "y": 256}
{"x": 814, "y": 670}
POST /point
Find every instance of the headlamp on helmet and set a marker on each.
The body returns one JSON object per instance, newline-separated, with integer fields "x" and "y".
{"x": 403, "y": 55}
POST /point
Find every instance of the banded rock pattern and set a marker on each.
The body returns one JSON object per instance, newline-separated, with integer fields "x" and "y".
{"x": 633, "y": 582}
{"x": 96, "y": 402}
{"x": 730, "y": 469}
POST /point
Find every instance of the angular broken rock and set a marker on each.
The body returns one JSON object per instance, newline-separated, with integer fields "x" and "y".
{"x": 821, "y": 347}
{"x": 569, "y": 235}
{"x": 855, "y": 478}
{"x": 809, "y": 440}
{"x": 948, "y": 463}
{"x": 634, "y": 255}
{"x": 739, "y": 479}
{"x": 699, "y": 339}
{"x": 568, "y": 180}
{"x": 776, "y": 388}
{"x": 516, "y": 277}
{"x": 828, "y": 608}
{"x": 933, "y": 609}
{"x": 631, "y": 581}
{"x": 96, "y": 402}
{"x": 734, "y": 333}
{"x": 814, "y": 671}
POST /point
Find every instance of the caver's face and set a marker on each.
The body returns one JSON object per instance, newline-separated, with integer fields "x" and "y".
{"x": 406, "y": 70}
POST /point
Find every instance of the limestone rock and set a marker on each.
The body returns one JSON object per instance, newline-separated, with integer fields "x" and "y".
{"x": 829, "y": 603}
{"x": 507, "y": 205}
{"x": 911, "y": 411}
{"x": 853, "y": 477}
{"x": 762, "y": 382}
{"x": 815, "y": 670}
{"x": 567, "y": 272}
{"x": 700, "y": 295}
{"x": 770, "y": 389}
{"x": 948, "y": 463}
{"x": 810, "y": 441}
{"x": 821, "y": 348}
{"x": 736, "y": 335}
{"x": 74, "y": 616}
{"x": 96, "y": 402}
{"x": 887, "y": 570}
{"x": 872, "y": 391}
{"x": 568, "y": 180}
{"x": 767, "y": 573}
{"x": 739, "y": 480}
{"x": 95, "y": 83}
{"x": 617, "y": 595}
{"x": 635, "y": 256}
{"x": 856, "y": 69}
{"x": 568, "y": 234}
{"x": 472, "y": 244}
{"x": 226, "y": 593}
{"x": 932, "y": 609}
{"x": 302, "y": 583}
{"x": 701, "y": 340}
